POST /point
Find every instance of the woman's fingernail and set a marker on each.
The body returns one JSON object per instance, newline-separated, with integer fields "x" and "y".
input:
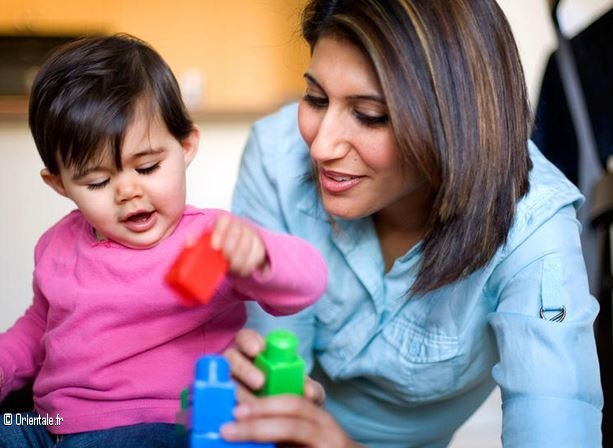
{"x": 228, "y": 431}
{"x": 256, "y": 379}
{"x": 241, "y": 411}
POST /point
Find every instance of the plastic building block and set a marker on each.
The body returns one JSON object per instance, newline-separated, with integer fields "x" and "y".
{"x": 283, "y": 368}
{"x": 197, "y": 271}
{"x": 213, "y": 398}
{"x": 182, "y": 415}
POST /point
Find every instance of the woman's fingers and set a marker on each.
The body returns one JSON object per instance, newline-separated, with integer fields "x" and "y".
{"x": 248, "y": 344}
{"x": 285, "y": 419}
{"x": 314, "y": 392}
{"x": 279, "y": 418}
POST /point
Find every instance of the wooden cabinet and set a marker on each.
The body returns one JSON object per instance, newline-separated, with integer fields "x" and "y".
{"x": 230, "y": 56}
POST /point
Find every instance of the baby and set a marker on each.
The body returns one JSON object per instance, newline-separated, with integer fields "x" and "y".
{"x": 108, "y": 343}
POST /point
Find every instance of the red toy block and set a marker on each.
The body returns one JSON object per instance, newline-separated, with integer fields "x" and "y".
{"x": 197, "y": 271}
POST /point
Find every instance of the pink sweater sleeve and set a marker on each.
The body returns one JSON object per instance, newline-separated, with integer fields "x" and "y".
{"x": 297, "y": 276}
{"x": 21, "y": 349}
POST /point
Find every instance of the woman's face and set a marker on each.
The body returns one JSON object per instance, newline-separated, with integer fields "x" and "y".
{"x": 344, "y": 120}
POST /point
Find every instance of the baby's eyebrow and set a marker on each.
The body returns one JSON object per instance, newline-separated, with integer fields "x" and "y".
{"x": 146, "y": 152}
{"x": 80, "y": 173}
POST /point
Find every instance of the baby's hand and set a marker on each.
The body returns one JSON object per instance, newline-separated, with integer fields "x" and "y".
{"x": 240, "y": 244}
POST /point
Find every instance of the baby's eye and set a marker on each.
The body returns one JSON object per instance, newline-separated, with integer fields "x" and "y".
{"x": 98, "y": 185}
{"x": 148, "y": 169}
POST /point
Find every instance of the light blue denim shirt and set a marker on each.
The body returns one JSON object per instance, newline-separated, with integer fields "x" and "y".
{"x": 403, "y": 371}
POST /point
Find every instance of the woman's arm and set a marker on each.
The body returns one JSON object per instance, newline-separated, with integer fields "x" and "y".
{"x": 548, "y": 370}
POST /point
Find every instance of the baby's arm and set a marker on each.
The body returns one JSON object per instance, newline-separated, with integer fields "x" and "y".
{"x": 285, "y": 274}
{"x": 21, "y": 349}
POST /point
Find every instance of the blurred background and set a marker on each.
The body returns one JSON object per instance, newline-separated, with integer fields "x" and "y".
{"x": 235, "y": 60}
{"x": 230, "y": 56}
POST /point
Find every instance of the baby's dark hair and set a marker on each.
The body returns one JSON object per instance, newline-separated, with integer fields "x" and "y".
{"x": 84, "y": 96}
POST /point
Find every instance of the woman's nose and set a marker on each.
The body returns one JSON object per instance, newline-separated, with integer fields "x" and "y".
{"x": 331, "y": 140}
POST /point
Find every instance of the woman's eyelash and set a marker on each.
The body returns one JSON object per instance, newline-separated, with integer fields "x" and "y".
{"x": 318, "y": 102}
{"x": 372, "y": 120}
{"x": 315, "y": 101}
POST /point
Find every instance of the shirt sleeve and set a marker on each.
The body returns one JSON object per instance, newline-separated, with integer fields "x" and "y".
{"x": 21, "y": 347}
{"x": 548, "y": 370}
{"x": 256, "y": 197}
{"x": 297, "y": 275}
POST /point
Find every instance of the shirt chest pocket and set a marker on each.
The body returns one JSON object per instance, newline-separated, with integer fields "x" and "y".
{"x": 422, "y": 364}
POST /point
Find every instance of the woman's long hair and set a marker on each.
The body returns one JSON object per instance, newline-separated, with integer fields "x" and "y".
{"x": 454, "y": 85}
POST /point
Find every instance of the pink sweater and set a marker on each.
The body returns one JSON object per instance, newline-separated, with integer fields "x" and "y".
{"x": 110, "y": 344}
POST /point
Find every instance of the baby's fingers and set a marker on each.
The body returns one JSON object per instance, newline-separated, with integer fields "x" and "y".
{"x": 222, "y": 234}
{"x": 240, "y": 244}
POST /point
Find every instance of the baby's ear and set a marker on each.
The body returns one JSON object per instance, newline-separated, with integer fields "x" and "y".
{"x": 54, "y": 181}
{"x": 190, "y": 145}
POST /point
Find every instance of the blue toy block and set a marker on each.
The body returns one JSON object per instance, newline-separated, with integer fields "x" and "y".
{"x": 213, "y": 398}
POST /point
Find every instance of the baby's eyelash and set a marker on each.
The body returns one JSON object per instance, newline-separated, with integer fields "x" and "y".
{"x": 148, "y": 169}
{"x": 98, "y": 186}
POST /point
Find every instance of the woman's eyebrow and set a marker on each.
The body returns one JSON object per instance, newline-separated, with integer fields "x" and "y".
{"x": 369, "y": 97}
{"x": 310, "y": 79}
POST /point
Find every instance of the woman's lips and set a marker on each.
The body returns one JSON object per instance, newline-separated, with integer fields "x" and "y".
{"x": 335, "y": 182}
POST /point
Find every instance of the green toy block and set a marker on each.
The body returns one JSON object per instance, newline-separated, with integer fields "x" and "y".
{"x": 283, "y": 368}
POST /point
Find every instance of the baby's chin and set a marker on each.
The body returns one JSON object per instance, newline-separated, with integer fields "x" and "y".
{"x": 136, "y": 243}
{"x": 139, "y": 240}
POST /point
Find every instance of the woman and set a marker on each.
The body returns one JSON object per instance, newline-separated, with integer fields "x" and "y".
{"x": 452, "y": 243}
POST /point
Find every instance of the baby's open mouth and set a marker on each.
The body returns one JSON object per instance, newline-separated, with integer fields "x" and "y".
{"x": 139, "y": 217}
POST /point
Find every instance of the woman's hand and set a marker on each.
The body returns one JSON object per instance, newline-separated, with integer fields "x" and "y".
{"x": 248, "y": 344}
{"x": 287, "y": 420}
{"x": 282, "y": 419}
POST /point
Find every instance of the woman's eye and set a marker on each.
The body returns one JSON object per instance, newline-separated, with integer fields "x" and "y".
{"x": 148, "y": 169}
{"x": 371, "y": 120}
{"x": 98, "y": 185}
{"x": 317, "y": 102}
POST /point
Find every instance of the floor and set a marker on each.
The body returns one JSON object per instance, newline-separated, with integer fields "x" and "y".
{"x": 482, "y": 430}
